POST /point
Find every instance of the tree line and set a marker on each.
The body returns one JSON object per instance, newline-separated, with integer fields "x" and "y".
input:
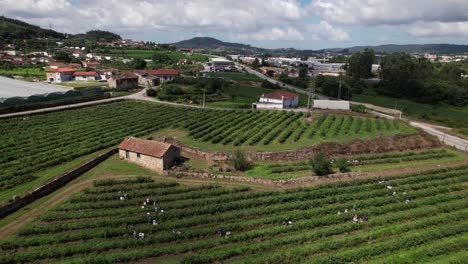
{"x": 402, "y": 76}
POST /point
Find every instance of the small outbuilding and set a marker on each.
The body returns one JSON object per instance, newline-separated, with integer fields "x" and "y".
{"x": 154, "y": 155}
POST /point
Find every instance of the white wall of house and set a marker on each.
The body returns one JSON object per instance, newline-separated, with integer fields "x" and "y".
{"x": 58, "y": 77}
{"x": 267, "y": 105}
{"x": 85, "y": 78}
{"x": 270, "y": 100}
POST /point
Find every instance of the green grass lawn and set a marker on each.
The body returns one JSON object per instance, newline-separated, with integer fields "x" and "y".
{"x": 451, "y": 116}
{"x": 25, "y": 72}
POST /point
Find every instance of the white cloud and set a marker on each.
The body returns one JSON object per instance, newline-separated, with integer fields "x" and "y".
{"x": 289, "y": 33}
{"x": 141, "y": 15}
{"x": 324, "y": 30}
{"x": 437, "y": 29}
{"x": 420, "y": 18}
{"x": 388, "y": 12}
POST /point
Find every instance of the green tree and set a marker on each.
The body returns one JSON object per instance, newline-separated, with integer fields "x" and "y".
{"x": 255, "y": 63}
{"x": 138, "y": 64}
{"x": 320, "y": 164}
{"x": 238, "y": 161}
{"x": 62, "y": 56}
{"x": 360, "y": 64}
{"x": 303, "y": 72}
{"x": 342, "y": 164}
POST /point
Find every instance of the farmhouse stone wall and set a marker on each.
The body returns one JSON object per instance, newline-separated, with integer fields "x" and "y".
{"x": 152, "y": 163}
{"x": 55, "y": 184}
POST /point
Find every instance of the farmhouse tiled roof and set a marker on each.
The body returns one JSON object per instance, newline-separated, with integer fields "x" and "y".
{"x": 146, "y": 147}
{"x": 62, "y": 70}
{"x": 83, "y": 73}
{"x": 163, "y": 72}
{"x": 280, "y": 95}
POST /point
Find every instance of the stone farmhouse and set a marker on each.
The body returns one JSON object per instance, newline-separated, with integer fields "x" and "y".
{"x": 154, "y": 155}
{"x": 122, "y": 82}
{"x": 164, "y": 75}
{"x": 277, "y": 100}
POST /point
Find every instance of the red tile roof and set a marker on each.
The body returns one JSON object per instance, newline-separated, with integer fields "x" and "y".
{"x": 62, "y": 70}
{"x": 163, "y": 72}
{"x": 57, "y": 64}
{"x": 280, "y": 95}
{"x": 146, "y": 147}
{"x": 83, "y": 73}
{"x": 90, "y": 62}
{"x": 72, "y": 65}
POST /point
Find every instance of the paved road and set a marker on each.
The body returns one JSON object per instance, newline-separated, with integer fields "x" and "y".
{"x": 450, "y": 140}
{"x": 291, "y": 87}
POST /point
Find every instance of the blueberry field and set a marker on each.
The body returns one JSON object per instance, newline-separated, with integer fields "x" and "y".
{"x": 33, "y": 143}
{"x": 409, "y": 218}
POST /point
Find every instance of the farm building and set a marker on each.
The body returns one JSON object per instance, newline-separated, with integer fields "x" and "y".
{"x": 164, "y": 75}
{"x": 277, "y": 100}
{"x": 122, "y": 82}
{"x": 145, "y": 79}
{"x": 86, "y": 76}
{"x": 154, "y": 155}
{"x": 220, "y": 64}
{"x": 60, "y": 75}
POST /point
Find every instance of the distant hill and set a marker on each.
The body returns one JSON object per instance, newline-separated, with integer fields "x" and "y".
{"x": 98, "y": 35}
{"x": 16, "y": 29}
{"x": 208, "y": 43}
{"x": 410, "y": 48}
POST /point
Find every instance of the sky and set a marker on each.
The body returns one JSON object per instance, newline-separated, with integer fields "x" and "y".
{"x": 301, "y": 24}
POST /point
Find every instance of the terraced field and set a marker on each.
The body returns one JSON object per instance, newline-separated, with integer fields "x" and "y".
{"x": 411, "y": 218}
{"x": 370, "y": 159}
{"x": 31, "y": 144}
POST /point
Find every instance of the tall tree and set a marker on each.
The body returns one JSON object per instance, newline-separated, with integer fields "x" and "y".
{"x": 303, "y": 72}
{"x": 360, "y": 64}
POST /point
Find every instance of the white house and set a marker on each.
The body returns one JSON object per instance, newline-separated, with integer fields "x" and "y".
{"x": 60, "y": 75}
{"x": 277, "y": 100}
{"x": 219, "y": 64}
{"x": 86, "y": 76}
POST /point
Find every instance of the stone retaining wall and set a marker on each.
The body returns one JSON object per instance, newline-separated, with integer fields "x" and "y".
{"x": 53, "y": 185}
{"x": 357, "y": 146}
{"x": 307, "y": 179}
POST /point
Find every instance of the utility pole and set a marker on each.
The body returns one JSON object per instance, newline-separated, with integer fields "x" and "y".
{"x": 203, "y": 98}
{"x": 339, "y": 87}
